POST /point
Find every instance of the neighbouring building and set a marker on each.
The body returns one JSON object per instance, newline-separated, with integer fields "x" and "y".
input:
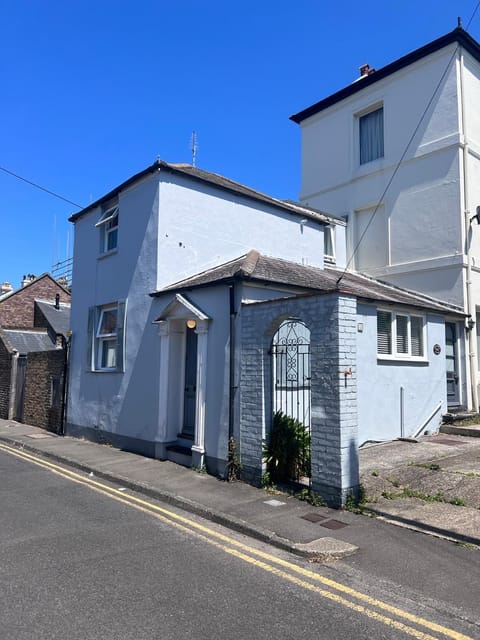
{"x": 397, "y": 154}
{"x": 34, "y": 328}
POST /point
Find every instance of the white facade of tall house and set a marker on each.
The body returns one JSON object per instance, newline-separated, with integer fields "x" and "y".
{"x": 422, "y": 236}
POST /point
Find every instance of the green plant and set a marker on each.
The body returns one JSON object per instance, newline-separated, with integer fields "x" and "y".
{"x": 375, "y": 473}
{"x": 233, "y": 465}
{"x": 356, "y": 503}
{"x": 202, "y": 469}
{"x": 307, "y": 495}
{"x": 287, "y": 449}
{"x": 267, "y": 483}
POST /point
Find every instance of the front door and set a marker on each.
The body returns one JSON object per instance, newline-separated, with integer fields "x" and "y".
{"x": 452, "y": 364}
{"x": 190, "y": 391}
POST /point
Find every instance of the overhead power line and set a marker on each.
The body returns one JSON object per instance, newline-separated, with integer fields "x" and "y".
{"x": 38, "y": 186}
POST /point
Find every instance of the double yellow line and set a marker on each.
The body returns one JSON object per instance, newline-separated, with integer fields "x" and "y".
{"x": 337, "y": 592}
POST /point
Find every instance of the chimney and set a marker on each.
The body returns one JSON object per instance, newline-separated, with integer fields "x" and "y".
{"x": 5, "y": 287}
{"x": 27, "y": 279}
{"x": 366, "y": 70}
{"x": 57, "y": 301}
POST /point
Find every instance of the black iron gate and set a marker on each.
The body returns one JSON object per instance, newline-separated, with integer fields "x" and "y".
{"x": 291, "y": 374}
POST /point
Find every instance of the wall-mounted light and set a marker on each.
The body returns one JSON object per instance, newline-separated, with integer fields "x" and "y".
{"x": 476, "y": 216}
{"x": 470, "y": 324}
{"x": 191, "y": 324}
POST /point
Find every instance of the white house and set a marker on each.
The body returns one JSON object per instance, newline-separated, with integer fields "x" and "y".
{"x": 181, "y": 332}
{"x": 397, "y": 153}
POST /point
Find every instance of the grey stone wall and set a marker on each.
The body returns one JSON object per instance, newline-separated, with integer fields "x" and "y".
{"x": 331, "y": 319}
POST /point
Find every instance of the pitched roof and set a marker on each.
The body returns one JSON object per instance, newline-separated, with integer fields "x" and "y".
{"x": 458, "y": 35}
{"x": 27, "y": 341}
{"x": 58, "y": 319}
{"x": 254, "y": 267}
{"x": 7, "y": 296}
{"x": 216, "y": 180}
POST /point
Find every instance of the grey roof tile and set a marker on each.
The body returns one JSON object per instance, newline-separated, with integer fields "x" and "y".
{"x": 27, "y": 341}
{"x": 58, "y": 319}
{"x": 276, "y": 271}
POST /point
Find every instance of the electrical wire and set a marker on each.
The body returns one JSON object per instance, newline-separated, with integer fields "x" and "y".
{"x": 402, "y": 157}
{"x": 38, "y": 186}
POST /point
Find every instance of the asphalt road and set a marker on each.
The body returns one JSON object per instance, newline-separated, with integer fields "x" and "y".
{"x": 81, "y": 559}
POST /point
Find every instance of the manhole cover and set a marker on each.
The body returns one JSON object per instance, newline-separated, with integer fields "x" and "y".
{"x": 38, "y": 436}
{"x": 333, "y": 524}
{"x": 313, "y": 517}
{"x": 274, "y": 503}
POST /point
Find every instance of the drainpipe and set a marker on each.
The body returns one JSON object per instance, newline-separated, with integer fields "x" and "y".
{"x": 66, "y": 341}
{"x": 13, "y": 386}
{"x": 232, "y": 387}
{"x": 470, "y": 308}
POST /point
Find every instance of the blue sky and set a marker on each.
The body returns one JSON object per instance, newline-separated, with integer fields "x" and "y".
{"x": 94, "y": 91}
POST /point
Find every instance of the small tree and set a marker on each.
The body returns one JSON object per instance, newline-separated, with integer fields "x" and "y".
{"x": 287, "y": 449}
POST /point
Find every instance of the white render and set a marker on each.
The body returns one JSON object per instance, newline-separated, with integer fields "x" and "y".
{"x": 423, "y": 237}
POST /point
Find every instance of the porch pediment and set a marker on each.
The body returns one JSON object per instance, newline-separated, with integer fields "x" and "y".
{"x": 181, "y": 307}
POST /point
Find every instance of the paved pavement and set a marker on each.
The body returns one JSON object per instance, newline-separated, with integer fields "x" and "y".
{"x": 316, "y": 532}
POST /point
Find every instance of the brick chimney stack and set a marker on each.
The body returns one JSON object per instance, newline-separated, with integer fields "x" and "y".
{"x": 366, "y": 70}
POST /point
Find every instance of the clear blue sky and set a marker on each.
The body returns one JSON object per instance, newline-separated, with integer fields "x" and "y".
{"x": 94, "y": 91}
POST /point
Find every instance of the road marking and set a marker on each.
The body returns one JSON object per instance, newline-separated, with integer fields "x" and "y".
{"x": 241, "y": 551}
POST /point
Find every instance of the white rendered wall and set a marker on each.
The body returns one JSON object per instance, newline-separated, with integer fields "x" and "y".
{"x": 379, "y": 383}
{"x": 201, "y": 226}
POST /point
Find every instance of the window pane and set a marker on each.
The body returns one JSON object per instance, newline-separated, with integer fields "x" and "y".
{"x": 371, "y": 136}
{"x": 384, "y": 332}
{"x": 402, "y": 334}
{"x": 109, "y": 354}
{"x": 416, "y": 337}
{"x": 328, "y": 242}
{"x": 108, "y": 322}
{"x": 112, "y": 236}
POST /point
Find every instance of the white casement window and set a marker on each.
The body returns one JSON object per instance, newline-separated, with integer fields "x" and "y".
{"x": 329, "y": 244}
{"x": 370, "y": 135}
{"x": 108, "y": 225}
{"x": 400, "y": 335}
{"x": 106, "y": 338}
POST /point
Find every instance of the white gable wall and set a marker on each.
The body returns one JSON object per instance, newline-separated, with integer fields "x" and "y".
{"x": 202, "y": 226}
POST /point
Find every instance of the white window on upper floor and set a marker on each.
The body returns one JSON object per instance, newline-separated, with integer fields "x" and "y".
{"x": 329, "y": 244}
{"x": 106, "y": 337}
{"x": 400, "y": 335}
{"x": 108, "y": 225}
{"x": 370, "y": 135}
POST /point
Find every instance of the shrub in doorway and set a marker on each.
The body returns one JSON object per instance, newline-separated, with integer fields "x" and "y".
{"x": 286, "y": 452}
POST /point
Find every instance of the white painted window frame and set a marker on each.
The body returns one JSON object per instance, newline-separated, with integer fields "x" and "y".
{"x": 108, "y": 224}
{"x": 105, "y": 338}
{"x": 329, "y": 231}
{"x": 377, "y": 106}
{"x": 395, "y": 355}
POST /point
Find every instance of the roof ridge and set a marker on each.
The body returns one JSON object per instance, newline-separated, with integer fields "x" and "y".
{"x": 249, "y": 264}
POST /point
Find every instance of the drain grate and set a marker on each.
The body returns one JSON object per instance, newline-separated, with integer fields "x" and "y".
{"x": 313, "y": 517}
{"x": 333, "y": 524}
{"x": 38, "y": 436}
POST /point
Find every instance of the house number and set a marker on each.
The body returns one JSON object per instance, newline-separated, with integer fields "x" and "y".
{"x": 437, "y": 349}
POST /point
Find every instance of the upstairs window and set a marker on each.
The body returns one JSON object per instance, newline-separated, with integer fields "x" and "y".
{"x": 371, "y": 136}
{"x": 329, "y": 244}
{"x": 400, "y": 335}
{"x": 108, "y": 225}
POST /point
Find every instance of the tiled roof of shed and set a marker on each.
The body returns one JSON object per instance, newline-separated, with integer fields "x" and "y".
{"x": 27, "y": 341}
{"x": 275, "y": 271}
{"x": 58, "y": 319}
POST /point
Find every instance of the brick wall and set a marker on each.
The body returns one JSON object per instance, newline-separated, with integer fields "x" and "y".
{"x": 5, "y": 375}
{"x": 332, "y": 322}
{"x": 42, "y": 368}
{"x": 17, "y": 311}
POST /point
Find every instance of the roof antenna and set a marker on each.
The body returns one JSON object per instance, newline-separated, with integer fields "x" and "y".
{"x": 459, "y": 22}
{"x": 194, "y": 148}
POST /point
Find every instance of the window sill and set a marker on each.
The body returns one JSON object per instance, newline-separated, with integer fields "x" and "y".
{"x": 329, "y": 260}
{"x": 405, "y": 360}
{"x": 107, "y": 253}
{"x": 106, "y": 371}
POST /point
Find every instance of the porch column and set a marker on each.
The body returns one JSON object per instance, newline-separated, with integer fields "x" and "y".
{"x": 160, "y": 440}
{"x": 198, "y": 448}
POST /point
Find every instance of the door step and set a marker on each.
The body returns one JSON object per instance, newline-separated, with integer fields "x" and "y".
{"x": 179, "y": 454}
